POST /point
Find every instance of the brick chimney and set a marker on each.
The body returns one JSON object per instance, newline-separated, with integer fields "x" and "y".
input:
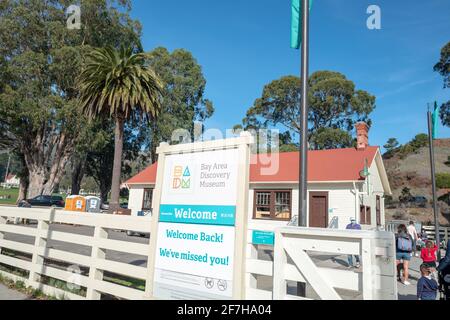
{"x": 362, "y": 136}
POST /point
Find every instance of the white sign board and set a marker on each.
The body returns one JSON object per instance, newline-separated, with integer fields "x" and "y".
{"x": 195, "y": 246}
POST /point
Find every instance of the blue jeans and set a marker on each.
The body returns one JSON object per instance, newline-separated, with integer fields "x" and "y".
{"x": 350, "y": 260}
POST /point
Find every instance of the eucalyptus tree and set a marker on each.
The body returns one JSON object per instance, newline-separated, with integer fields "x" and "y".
{"x": 443, "y": 67}
{"x": 40, "y": 59}
{"x": 184, "y": 101}
{"x": 335, "y": 105}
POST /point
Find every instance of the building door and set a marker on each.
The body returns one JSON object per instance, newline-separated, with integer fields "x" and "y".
{"x": 318, "y": 209}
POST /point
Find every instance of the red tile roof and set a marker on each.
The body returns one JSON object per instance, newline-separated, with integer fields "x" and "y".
{"x": 323, "y": 166}
{"x": 148, "y": 176}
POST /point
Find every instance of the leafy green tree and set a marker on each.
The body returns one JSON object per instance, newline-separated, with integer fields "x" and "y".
{"x": 391, "y": 144}
{"x": 40, "y": 59}
{"x": 445, "y": 114}
{"x": 443, "y": 67}
{"x": 184, "y": 95}
{"x": 421, "y": 140}
{"x": 119, "y": 84}
{"x": 334, "y": 107}
{"x": 100, "y": 156}
{"x": 331, "y": 138}
{"x": 405, "y": 195}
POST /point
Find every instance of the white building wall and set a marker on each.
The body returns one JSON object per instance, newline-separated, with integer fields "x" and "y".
{"x": 370, "y": 190}
{"x": 341, "y": 201}
{"x": 135, "y": 198}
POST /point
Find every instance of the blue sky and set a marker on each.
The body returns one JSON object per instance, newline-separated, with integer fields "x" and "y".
{"x": 244, "y": 44}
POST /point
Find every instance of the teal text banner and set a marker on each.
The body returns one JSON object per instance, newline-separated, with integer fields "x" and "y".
{"x": 198, "y": 214}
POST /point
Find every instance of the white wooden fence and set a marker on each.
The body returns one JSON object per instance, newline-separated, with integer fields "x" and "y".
{"x": 309, "y": 255}
{"x": 96, "y": 263}
{"x": 293, "y": 258}
{"x": 431, "y": 232}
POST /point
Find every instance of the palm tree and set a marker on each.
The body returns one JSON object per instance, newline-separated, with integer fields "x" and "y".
{"x": 119, "y": 84}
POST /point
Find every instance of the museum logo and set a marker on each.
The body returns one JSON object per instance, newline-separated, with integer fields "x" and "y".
{"x": 181, "y": 178}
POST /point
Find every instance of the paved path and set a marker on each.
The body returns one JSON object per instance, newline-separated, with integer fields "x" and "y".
{"x": 8, "y": 294}
{"x": 410, "y": 292}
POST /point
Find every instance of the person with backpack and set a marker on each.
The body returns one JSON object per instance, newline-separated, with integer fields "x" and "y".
{"x": 404, "y": 244}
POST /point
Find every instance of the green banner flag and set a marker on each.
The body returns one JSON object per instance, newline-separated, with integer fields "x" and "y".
{"x": 435, "y": 120}
{"x": 296, "y": 23}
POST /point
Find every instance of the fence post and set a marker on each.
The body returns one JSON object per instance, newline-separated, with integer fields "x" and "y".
{"x": 252, "y": 253}
{"x": 3, "y": 220}
{"x": 37, "y": 261}
{"x": 367, "y": 266}
{"x": 279, "y": 261}
{"x": 94, "y": 273}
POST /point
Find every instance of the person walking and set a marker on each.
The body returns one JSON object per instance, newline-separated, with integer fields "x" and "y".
{"x": 427, "y": 286}
{"x": 413, "y": 233}
{"x": 403, "y": 253}
{"x": 353, "y": 226}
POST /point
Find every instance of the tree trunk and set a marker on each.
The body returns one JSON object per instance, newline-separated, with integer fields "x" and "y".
{"x": 23, "y": 190}
{"x": 37, "y": 181}
{"x": 104, "y": 190}
{"x": 118, "y": 146}
{"x": 24, "y": 179}
{"x": 78, "y": 170}
{"x": 154, "y": 142}
{"x": 46, "y": 165}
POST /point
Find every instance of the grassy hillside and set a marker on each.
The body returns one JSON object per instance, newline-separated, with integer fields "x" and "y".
{"x": 412, "y": 170}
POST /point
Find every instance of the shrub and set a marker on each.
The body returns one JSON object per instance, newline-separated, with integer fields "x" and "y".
{"x": 443, "y": 180}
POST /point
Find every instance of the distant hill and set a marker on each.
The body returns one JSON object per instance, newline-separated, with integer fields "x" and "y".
{"x": 413, "y": 171}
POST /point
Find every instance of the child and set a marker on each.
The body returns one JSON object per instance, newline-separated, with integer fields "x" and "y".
{"x": 428, "y": 254}
{"x": 426, "y": 286}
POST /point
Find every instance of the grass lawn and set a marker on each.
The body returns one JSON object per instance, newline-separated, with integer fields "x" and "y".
{"x": 8, "y": 196}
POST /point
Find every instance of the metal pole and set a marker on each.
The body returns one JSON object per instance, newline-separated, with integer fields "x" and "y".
{"x": 303, "y": 165}
{"x": 433, "y": 183}
{"x": 7, "y": 166}
{"x": 303, "y": 179}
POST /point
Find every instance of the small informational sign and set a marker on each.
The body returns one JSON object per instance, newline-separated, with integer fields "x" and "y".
{"x": 263, "y": 237}
{"x": 79, "y": 204}
{"x": 93, "y": 204}
{"x": 195, "y": 246}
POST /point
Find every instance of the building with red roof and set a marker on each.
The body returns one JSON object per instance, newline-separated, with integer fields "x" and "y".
{"x": 342, "y": 184}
